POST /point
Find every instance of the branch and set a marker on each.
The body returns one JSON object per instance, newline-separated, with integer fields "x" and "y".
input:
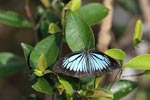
{"x": 104, "y": 36}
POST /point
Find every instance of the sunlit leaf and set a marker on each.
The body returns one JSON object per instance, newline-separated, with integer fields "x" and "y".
{"x": 138, "y": 32}
{"x": 74, "y": 5}
{"x": 14, "y": 19}
{"x": 79, "y": 35}
{"x": 42, "y": 65}
{"x": 10, "y": 64}
{"x": 116, "y": 54}
{"x": 93, "y": 13}
{"x": 141, "y": 62}
{"x": 53, "y": 28}
{"x": 43, "y": 86}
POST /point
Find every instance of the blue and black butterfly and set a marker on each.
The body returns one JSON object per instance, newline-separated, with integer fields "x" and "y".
{"x": 86, "y": 63}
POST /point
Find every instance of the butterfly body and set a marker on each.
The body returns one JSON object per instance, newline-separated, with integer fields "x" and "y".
{"x": 86, "y": 63}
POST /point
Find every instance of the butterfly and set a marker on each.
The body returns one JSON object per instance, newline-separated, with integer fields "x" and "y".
{"x": 86, "y": 63}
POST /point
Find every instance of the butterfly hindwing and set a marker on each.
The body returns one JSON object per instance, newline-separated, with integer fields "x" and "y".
{"x": 85, "y": 63}
{"x": 101, "y": 63}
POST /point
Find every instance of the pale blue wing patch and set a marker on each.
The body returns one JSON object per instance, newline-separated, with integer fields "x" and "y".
{"x": 76, "y": 63}
{"x": 99, "y": 62}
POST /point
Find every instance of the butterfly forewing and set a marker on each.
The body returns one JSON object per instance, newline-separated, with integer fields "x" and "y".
{"x": 73, "y": 64}
{"x": 85, "y": 63}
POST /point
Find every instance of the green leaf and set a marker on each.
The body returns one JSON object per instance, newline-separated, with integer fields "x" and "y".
{"x": 48, "y": 47}
{"x": 99, "y": 93}
{"x": 10, "y": 64}
{"x": 138, "y": 32}
{"x": 79, "y": 35}
{"x": 42, "y": 65}
{"x": 93, "y": 13}
{"x": 26, "y": 49}
{"x": 14, "y": 19}
{"x": 43, "y": 86}
{"x": 121, "y": 88}
{"x": 53, "y": 28}
{"x": 116, "y": 54}
{"x": 141, "y": 62}
{"x": 97, "y": 80}
{"x": 68, "y": 88}
{"x": 74, "y": 5}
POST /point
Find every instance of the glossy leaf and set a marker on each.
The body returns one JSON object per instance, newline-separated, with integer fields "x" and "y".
{"x": 48, "y": 47}
{"x": 43, "y": 86}
{"x": 141, "y": 62}
{"x": 14, "y": 19}
{"x": 116, "y": 54}
{"x": 122, "y": 87}
{"x": 74, "y": 5}
{"x": 99, "y": 93}
{"x": 138, "y": 32}
{"x": 10, "y": 64}
{"x": 78, "y": 34}
{"x": 53, "y": 28}
{"x": 26, "y": 49}
{"x": 68, "y": 88}
{"x": 93, "y": 13}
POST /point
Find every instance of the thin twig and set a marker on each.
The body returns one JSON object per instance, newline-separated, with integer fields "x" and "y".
{"x": 140, "y": 74}
{"x": 29, "y": 15}
{"x": 28, "y": 12}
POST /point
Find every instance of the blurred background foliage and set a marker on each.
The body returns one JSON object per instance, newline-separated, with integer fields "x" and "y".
{"x": 17, "y": 86}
